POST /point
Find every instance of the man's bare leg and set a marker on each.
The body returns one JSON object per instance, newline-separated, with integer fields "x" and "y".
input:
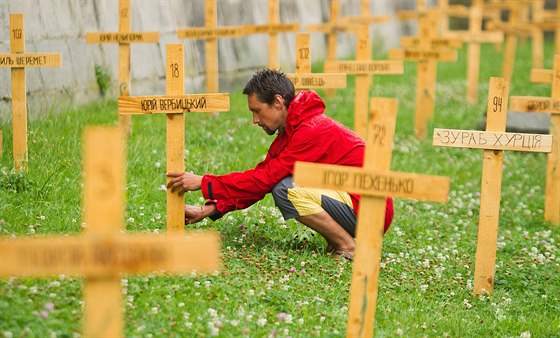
{"x": 339, "y": 241}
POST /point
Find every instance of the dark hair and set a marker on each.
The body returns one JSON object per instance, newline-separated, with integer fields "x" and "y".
{"x": 266, "y": 83}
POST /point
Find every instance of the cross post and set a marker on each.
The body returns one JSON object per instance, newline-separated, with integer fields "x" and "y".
{"x": 494, "y": 141}
{"x": 174, "y": 105}
{"x": 103, "y": 253}
{"x": 549, "y": 105}
{"x": 426, "y": 55}
{"x": 303, "y": 78}
{"x": 362, "y": 68}
{"x": 374, "y": 182}
{"x": 124, "y": 37}
{"x": 18, "y": 61}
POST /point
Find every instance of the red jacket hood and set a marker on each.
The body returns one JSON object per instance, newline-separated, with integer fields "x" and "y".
{"x": 304, "y": 105}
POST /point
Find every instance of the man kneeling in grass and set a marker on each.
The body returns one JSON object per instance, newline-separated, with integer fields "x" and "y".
{"x": 304, "y": 133}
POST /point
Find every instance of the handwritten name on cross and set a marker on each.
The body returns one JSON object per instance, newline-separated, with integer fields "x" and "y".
{"x": 174, "y": 105}
{"x": 494, "y": 141}
{"x": 374, "y": 182}
{"x": 363, "y": 67}
{"x": 124, "y": 37}
{"x": 427, "y": 55}
{"x": 18, "y": 61}
{"x": 303, "y": 78}
{"x": 103, "y": 253}
{"x": 547, "y": 105}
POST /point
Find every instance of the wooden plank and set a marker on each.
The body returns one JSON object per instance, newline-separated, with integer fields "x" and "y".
{"x": 492, "y": 140}
{"x": 411, "y": 54}
{"x": 535, "y": 104}
{"x": 98, "y": 256}
{"x": 19, "y": 97}
{"x": 211, "y": 53}
{"x": 123, "y": 76}
{"x": 272, "y": 28}
{"x": 173, "y": 103}
{"x": 552, "y": 188}
{"x": 20, "y": 60}
{"x": 319, "y": 80}
{"x": 480, "y": 37}
{"x": 490, "y": 192}
{"x": 408, "y": 41}
{"x": 212, "y": 33}
{"x": 362, "y": 84}
{"x": 372, "y": 183}
{"x": 303, "y": 54}
{"x": 365, "y": 67}
{"x": 103, "y": 206}
{"x": 370, "y": 222}
{"x": 541, "y": 75}
{"x": 364, "y": 20}
{"x": 175, "y": 144}
{"x": 122, "y": 37}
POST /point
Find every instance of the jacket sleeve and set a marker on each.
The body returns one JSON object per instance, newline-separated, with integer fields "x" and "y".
{"x": 252, "y": 185}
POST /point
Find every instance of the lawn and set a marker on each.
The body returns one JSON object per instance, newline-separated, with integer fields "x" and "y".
{"x": 276, "y": 278}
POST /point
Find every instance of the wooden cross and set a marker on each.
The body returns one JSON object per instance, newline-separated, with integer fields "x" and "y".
{"x": 174, "y": 105}
{"x": 273, "y": 28}
{"x": 427, "y": 55}
{"x": 374, "y": 182}
{"x": 337, "y": 25}
{"x": 211, "y": 33}
{"x": 303, "y": 78}
{"x": 124, "y": 37}
{"x": 18, "y": 61}
{"x": 513, "y": 28}
{"x": 474, "y": 37}
{"x": 103, "y": 253}
{"x": 494, "y": 141}
{"x": 363, "y": 67}
{"x": 547, "y": 105}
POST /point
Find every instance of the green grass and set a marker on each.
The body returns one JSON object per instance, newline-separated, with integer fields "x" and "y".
{"x": 276, "y": 278}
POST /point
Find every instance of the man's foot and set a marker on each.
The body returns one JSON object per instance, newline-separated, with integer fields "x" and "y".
{"x": 345, "y": 254}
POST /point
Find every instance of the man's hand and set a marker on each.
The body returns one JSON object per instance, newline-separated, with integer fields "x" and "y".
{"x": 195, "y": 214}
{"x": 181, "y": 182}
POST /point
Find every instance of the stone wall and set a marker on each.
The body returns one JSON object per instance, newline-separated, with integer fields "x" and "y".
{"x": 59, "y": 26}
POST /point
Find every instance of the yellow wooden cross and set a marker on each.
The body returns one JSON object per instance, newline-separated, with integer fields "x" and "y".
{"x": 474, "y": 36}
{"x": 18, "y": 61}
{"x": 363, "y": 67}
{"x": 494, "y": 141}
{"x": 124, "y": 37}
{"x": 374, "y": 182}
{"x": 349, "y": 24}
{"x": 303, "y": 78}
{"x": 513, "y": 28}
{"x": 211, "y": 33}
{"x": 273, "y": 28}
{"x": 174, "y": 105}
{"x": 103, "y": 253}
{"x": 547, "y": 105}
{"x": 426, "y": 54}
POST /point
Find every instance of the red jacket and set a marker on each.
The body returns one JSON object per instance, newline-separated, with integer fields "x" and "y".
{"x": 309, "y": 136}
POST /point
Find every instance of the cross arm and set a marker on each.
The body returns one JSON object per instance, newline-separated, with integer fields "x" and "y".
{"x": 92, "y": 255}
{"x": 317, "y": 80}
{"x": 173, "y": 104}
{"x": 492, "y": 140}
{"x": 534, "y": 104}
{"x": 20, "y": 60}
{"x": 372, "y": 183}
{"x": 365, "y": 67}
{"x": 117, "y": 37}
